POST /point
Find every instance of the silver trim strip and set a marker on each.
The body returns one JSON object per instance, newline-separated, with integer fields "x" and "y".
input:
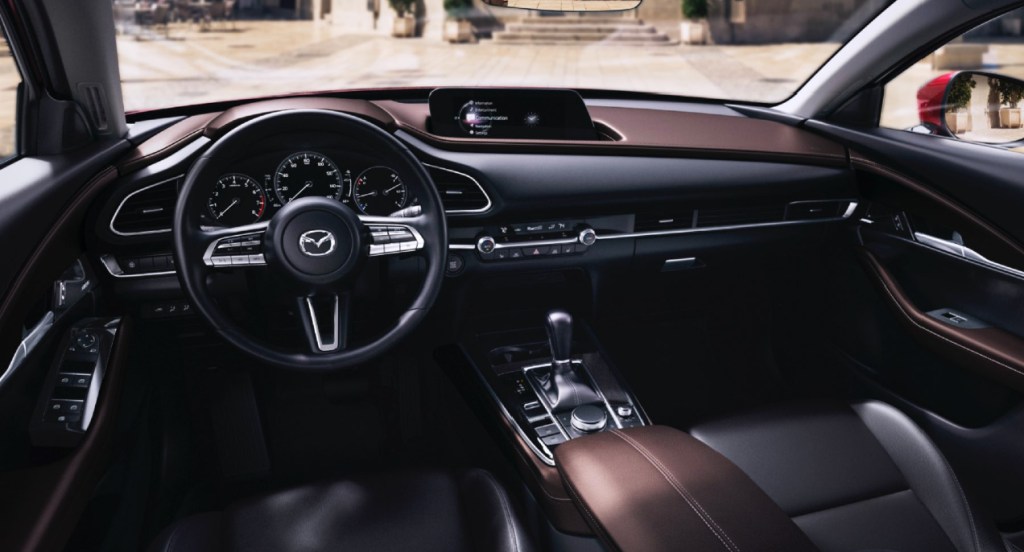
{"x": 961, "y": 250}
{"x": 332, "y": 345}
{"x": 536, "y": 243}
{"x": 27, "y": 345}
{"x": 110, "y": 263}
{"x": 462, "y": 246}
{"x": 474, "y": 181}
{"x": 117, "y": 211}
{"x": 716, "y": 228}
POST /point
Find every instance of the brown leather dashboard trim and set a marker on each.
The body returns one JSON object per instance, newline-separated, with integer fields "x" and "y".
{"x": 989, "y": 351}
{"x": 651, "y": 132}
{"x": 43, "y": 504}
{"x": 654, "y": 488}
{"x": 234, "y": 116}
{"x": 165, "y": 143}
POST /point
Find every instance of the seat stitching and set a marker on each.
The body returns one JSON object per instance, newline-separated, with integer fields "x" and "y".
{"x": 687, "y": 497}
{"x": 938, "y": 335}
{"x": 513, "y": 536}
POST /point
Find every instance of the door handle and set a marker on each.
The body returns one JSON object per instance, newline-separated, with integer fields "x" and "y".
{"x": 961, "y": 250}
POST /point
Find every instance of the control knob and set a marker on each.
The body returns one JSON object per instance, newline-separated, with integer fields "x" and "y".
{"x": 589, "y": 418}
{"x": 588, "y": 237}
{"x": 485, "y": 245}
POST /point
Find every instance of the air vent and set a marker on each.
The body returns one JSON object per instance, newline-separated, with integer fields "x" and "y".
{"x": 149, "y": 210}
{"x": 460, "y": 193}
{"x": 654, "y": 222}
{"x": 735, "y": 216}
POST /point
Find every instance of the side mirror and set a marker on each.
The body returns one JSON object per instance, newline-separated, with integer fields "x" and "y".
{"x": 973, "y": 106}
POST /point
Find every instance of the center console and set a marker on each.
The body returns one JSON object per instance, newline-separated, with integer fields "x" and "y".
{"x": 547, "y": 384}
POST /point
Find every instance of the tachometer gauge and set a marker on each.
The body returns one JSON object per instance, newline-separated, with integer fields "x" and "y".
{"x": 307, "y": 174}
{"x": 237, "y": 199}
{"x": 379, "y": 191}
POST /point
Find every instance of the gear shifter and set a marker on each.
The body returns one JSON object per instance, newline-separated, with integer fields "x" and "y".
{"x": 565, "y": 388}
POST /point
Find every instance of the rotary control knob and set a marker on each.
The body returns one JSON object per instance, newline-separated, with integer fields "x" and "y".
{"x": 588, "y": 237}
{"x": 485, "y": 245}
{"x": 589, "y": 418}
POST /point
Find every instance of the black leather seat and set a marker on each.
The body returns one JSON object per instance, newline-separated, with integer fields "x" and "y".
{"x": 441, "y": 512}
{"x": 861, "y": 477}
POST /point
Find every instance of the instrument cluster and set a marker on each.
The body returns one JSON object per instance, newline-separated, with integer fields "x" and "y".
{"x": 253, "y": 192}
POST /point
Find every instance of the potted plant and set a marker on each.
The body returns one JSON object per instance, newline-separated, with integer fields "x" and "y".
{"x": 1011, "y": 92}
{"x": 457, "y": 27}
{"x": 958, "y": 98}
{"x": 693, "y": 28}
{"x": 405, "y": 23}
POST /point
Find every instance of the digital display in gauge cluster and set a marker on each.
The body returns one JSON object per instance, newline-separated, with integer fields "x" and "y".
{"x": 241, "y": 197}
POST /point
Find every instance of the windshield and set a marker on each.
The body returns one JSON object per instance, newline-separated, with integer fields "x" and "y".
{"x": 180, "y": 53}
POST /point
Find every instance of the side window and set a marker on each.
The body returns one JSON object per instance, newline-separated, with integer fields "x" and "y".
{"x": 995, "y": 47}
{"x": 10, "y": 78}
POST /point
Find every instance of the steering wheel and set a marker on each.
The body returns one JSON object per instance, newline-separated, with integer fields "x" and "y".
{"x": 317, "y": 244}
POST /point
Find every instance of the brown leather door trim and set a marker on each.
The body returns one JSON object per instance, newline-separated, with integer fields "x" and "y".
{"x": 990, "y": 351}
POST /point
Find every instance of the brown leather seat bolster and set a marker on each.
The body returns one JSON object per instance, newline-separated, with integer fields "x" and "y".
{"x": 656, "y": 488}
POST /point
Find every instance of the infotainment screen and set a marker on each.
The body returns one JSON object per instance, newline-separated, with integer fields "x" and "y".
{"x": 540, "y": 114}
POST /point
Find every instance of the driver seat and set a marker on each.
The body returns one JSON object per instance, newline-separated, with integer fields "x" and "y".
{"x": 432, "y": 511}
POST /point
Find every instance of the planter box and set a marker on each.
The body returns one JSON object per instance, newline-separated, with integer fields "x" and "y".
{"x": 959, "y": 55}
{"x": 958, "y": 123}
{"x": 404, "y": 27}
{"x": 1009, "y": 117}
{"x": 693, "y": 32}
{"x": 458, "y": 30}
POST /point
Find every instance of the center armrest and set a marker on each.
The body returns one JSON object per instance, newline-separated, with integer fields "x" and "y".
{"x": 656, "y": 488}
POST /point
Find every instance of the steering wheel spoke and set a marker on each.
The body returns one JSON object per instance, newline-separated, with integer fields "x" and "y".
{"x": 325, "y": 321}
{"x": 241, "y": 246}
{"x": 395, "y": 235}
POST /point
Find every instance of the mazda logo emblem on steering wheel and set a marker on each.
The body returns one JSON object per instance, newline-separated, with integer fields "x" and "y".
{"x": 317, "y": 243}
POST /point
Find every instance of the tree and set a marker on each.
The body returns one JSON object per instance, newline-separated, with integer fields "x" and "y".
{"x": 695, "y": 9}
{"x": 402, "y": 7}
{"x": 958, "y": 95}
{"x": 458, "y": 9}
{"x": 1011, "y": 92}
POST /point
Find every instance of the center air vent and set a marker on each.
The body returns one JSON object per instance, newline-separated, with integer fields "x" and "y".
{"x": 460, "y": 193}
{"x": 682, "y": 218}
{"x": 149, "y": 210}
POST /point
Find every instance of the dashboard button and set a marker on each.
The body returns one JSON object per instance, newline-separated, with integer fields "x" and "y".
{"x": 568, "y": 249}
{"x": 455, "y": 264}
{"x": 391, "y": 248}
{"x": 221, "y": 260}
{"x": 515, "y": 253}
{"x": 257, "y": 259}
{"x": 239, "y": 260}
{"x": 536, "y": 251}
{"x": 501, "y": 254}
{"x": 377, "y": 249}
{"x": 407, "y": 246}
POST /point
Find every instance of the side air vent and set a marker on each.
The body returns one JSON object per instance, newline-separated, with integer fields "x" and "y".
{"x": 460, "y": 193}
{"x": 653, "y": 222}
{"x": 735, "y": 216}
{"x": 148, "y": 210}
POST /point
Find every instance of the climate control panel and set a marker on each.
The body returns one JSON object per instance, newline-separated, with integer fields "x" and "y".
{"x": 535, "y": 239}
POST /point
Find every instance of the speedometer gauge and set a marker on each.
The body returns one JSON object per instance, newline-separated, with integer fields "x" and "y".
{"x": 307, "y": 174}
{"x": 237, "y": 199}
{"x": 379, "y": 191}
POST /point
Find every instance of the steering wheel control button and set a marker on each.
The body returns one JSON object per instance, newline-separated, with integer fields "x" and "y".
{"x": 389, "y": 240}
{"x": 589, "y": 418}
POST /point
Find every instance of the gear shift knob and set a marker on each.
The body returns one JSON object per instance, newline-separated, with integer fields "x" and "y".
{"x": 559, "y": 326}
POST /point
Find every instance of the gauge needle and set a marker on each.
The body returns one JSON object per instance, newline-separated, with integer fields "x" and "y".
{"x": 228, "y": 208}
{"x": 303, "y": 189}
{"x": 391, "y": 189}
{"x": 367, "y": 194}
